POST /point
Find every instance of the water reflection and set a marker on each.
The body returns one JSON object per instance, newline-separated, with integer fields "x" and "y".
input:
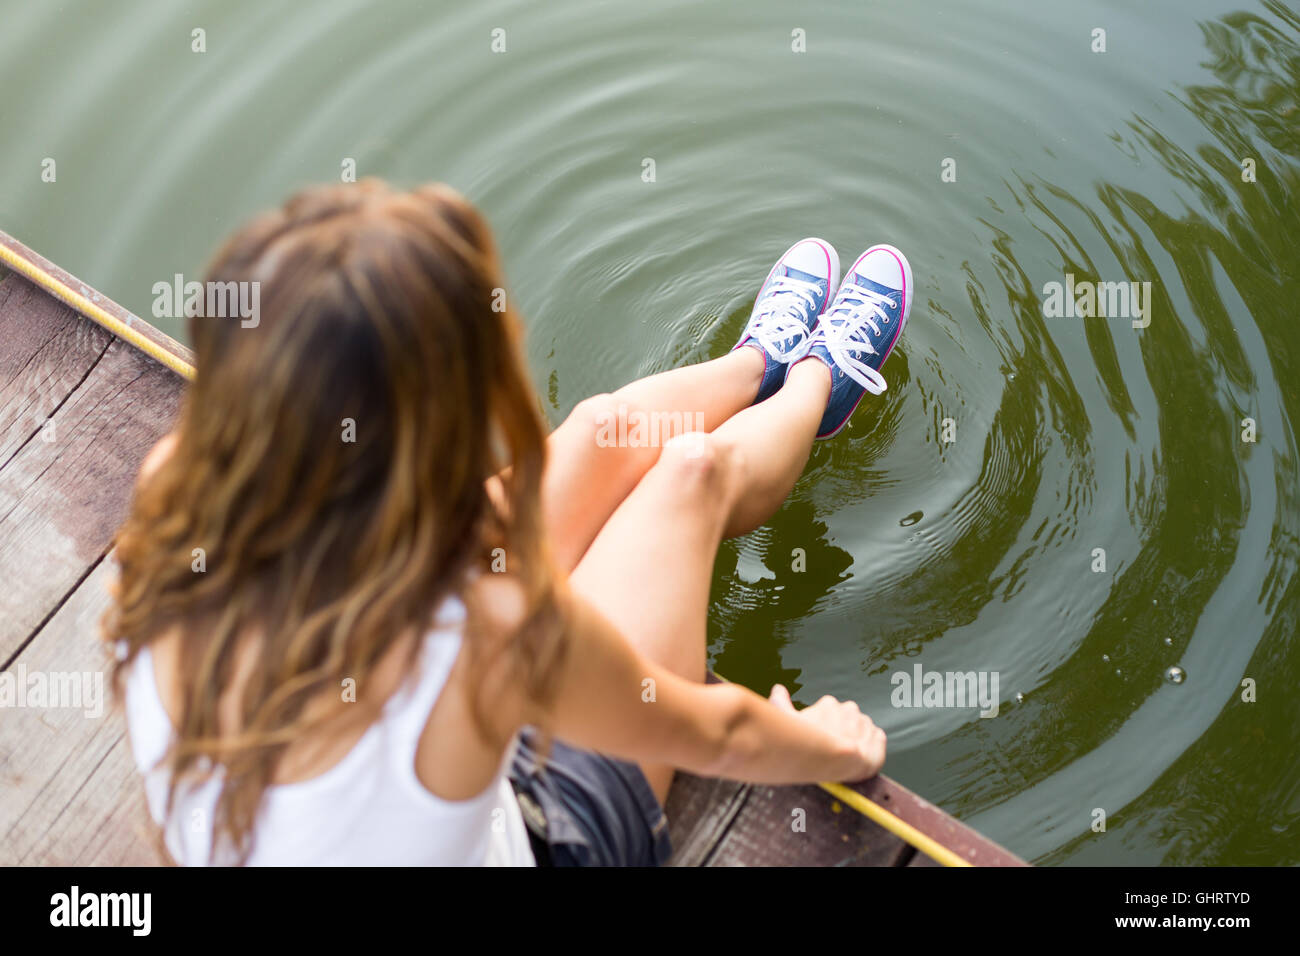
{"x": 1210, "y": 574}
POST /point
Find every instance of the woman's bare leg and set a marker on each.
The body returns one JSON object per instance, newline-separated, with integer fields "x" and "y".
{"x": 588, "y": 475}
{"x": 650, "y": 567}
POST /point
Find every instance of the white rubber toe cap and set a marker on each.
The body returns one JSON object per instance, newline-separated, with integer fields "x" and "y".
{"x": 816, "y": 257}
{"x": 887, "y": 266}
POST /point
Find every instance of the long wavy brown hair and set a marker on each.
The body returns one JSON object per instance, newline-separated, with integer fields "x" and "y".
{"x": 332, "y": 464}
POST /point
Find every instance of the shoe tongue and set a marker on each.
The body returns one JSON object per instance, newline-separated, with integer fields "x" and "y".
{"x": 860, "y": 280}
{"x": 805, "y": 276}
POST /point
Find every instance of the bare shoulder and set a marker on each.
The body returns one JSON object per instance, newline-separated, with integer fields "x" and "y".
{"x": 501, "y": 601}
{"x": 157, "y": 455}
{"x": 499, "y": 607}
{"x": 455, "y": 759}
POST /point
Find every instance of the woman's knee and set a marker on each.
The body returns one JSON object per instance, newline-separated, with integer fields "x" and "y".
{"x": 590, "y": 415}
{"x": 606, "y": 421}
{"x": 700, "y": 464}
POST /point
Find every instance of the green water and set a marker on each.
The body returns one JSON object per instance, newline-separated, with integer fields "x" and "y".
{"x": 1070, "y": 434}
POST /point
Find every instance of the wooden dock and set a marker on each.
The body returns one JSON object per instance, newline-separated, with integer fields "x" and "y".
{"x": 79, "y": 409}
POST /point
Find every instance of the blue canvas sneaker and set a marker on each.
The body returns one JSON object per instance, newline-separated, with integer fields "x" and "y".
{"x": 792, "y": 297}
{"x": 857, "y": 333}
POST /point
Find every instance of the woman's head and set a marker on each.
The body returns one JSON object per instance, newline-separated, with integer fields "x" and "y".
{"x": 380, "y": 387}
{"x": 328, "y": 485}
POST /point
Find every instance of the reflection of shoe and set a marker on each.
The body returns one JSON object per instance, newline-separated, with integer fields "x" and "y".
{"x": 859, "y": 330}
{"x": 793, "y": 295}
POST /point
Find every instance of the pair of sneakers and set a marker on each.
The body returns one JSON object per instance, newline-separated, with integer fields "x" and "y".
{"x": 804, "y": 311}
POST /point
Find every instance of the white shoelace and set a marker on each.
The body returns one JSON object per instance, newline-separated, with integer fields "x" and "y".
{"x": 843, "y": 330}
{"x": 781, "y": 322}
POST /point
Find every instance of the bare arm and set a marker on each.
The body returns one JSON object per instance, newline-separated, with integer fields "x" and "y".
{"x": 613, "y": 700}
{"x": 160, "y": 452}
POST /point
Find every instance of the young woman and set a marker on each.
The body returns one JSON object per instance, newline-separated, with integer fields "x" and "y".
{"x": 367, "y": 610}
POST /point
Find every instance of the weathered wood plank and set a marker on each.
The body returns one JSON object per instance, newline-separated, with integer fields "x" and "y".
{"x": 723, "y": 823}
{"x": 63, "y": 494}
{"x": 48, "y": 349}
{"x": 65, "y": 287}
{"x": 699, "y": 812}
{"x": 804, "y": 826}
{"x": 68, "y": 790}
{"x": 973, "y": 847}
{"x": 106, "y": 823}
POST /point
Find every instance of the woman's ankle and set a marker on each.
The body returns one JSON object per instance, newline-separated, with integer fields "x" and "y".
{"x": 810, "y": 373}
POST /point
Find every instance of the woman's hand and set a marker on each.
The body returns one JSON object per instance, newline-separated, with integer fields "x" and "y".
{"x": 611, "y": 699}
{"x": 843, "y": 720}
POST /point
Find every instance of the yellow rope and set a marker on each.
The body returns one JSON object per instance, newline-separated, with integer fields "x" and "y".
{"x": 899, "y": 828}
{"x": 80, "y": 303}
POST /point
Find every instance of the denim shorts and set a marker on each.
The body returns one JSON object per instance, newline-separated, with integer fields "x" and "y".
{"x": 585, "y": 809}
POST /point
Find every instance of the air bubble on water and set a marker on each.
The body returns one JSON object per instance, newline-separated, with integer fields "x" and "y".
{"x": 1118, "y": 672}
{"x": 911, "y": 519}
{"x": 1106, "y": 658}
{"x": 1020, "y": 698}
{"x": 1169, "y": 642}
{"x": 1175, "y": 675}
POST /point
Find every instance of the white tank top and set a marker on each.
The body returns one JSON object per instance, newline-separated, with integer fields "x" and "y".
{"x": 369, "y": 809}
